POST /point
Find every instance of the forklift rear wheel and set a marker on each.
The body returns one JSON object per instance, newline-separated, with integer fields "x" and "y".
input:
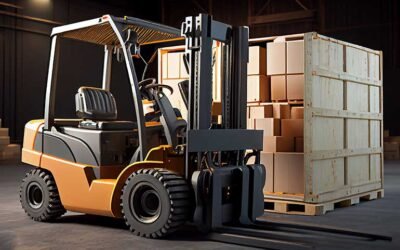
{"x": 155, "y": 202}
{"x": 39, "y": 196}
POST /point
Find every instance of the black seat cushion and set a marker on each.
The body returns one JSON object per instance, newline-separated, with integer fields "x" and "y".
{"x": 108, "y": 125}
{"x": 95, "y": 104}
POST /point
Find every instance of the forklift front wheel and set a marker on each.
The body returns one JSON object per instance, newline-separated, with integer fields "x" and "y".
{"x": 155, "y": 202}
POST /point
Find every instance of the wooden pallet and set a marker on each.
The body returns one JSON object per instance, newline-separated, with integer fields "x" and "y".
{"x": 302, "y": 208}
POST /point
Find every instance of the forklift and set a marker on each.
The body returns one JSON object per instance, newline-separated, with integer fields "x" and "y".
{"x": 162, "y": 171}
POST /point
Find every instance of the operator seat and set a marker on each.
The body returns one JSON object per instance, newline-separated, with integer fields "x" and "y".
{"x": 98, "y": 110}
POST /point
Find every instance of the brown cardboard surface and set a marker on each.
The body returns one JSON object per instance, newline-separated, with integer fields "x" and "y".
{"x": 3, "y": 131}
{"x": 257, "y": 61}
{"x": 392, "y": 139}
{"x": 297, "y": 113}
{"x": 295, "y": 57}
{"x": 216, "y": 108}
{"x": 276, "y": 58}
{"x": 295, "y": 87}
{"x": 12, "y": 149}
{"x": 299, "y": 144}
{"x": 278, "y": 144}
{"x": 278, "y": 88}
{"x": 391, "y": 146}
{"x": 281, "y": 110}
{"x": 258, "y": 88}
{"x": 270, "y": 126}
{"x": 4, "y": 140}
{"x": 262, "y": 111}
{"x": 292, "y": 127}
{"x": 250, "y": 124}
{"x": 173, "y": 67}
{"x": 289, "y": 173}
{"x": 267, "y": 159}
{"x": 391, "y": 155}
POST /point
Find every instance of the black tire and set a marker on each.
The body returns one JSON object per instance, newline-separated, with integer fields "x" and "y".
{"x": 39, "y": 196}
{"x": 155, "y": 202}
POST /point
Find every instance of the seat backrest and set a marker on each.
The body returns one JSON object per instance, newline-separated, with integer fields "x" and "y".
{"x": 95, "y": 104}
{"x": 173, "y": 125}
{"x": 184, "y": 90}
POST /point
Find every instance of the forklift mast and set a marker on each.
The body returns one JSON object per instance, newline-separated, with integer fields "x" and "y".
{"x": 227, "y": 190}
{"x": 200, "y": 32}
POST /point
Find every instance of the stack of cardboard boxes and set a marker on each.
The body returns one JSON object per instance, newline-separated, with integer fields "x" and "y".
{"x": 275, "y": 95}
{"x": 391, "y": 146}
{"x": 8, "y": 151}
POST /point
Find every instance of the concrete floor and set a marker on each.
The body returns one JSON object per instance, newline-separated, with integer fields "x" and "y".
{"x": 77, "y": 231}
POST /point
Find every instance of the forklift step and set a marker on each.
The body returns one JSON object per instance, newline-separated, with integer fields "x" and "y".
{"x": 278, "y": 204}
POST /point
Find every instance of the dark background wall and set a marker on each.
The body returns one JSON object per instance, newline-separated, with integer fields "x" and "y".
{"x": 24, "y": 43}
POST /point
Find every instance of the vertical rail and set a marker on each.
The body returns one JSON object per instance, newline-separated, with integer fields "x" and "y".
{"x": 107, "y": 67}
{"x": 51, "y": 84}
{"x": 308, "y": 84}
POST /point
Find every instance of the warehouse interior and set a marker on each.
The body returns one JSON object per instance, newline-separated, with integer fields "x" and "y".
{"x": 370, "y": 26}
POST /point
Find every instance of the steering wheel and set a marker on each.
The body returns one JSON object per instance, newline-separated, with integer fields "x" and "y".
{"x": 146, "y": 94}
{"x": 159, "y": 87}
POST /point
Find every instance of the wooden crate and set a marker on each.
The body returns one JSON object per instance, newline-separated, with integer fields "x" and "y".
{"x": 343, "y": 120}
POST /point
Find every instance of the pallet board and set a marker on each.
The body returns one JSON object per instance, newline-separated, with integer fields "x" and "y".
{"x": 302, "y": 208}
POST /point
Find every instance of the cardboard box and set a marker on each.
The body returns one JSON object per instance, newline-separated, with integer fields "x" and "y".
{"x": 13, "y": 149}
{"x": 295, "y": 57}
{"x": 391, "y": 155}
{"x": 297, "y": 113}
{"x": 182, "y": 70}
{"x": 295, "y": 87}
{"x": 257, "y": 61}
{"x": 4, "y": 140}
{"x": 292, "y": 127}
{"x": 392, "y": 139}
{"x": 391, "y": 146}
{"x": 281, "y": 110}
{"x": 216, "y": 108}
{"x": 250, "y": 123}
{"x": 278, "y": 144}
{"x": 174, "y": 59}
{"x": 258, "y": 88}
{"x": 289, "y": 173}
{"x": 270, "y": 126}
{"x": 267, "y": 159}
{"x": 278, "y": 88}
{"x": 263, "y": 111}
{"x": 299, "y": 144}
{"x": 276, "y": 58}
{"x": 3, "y": 131}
